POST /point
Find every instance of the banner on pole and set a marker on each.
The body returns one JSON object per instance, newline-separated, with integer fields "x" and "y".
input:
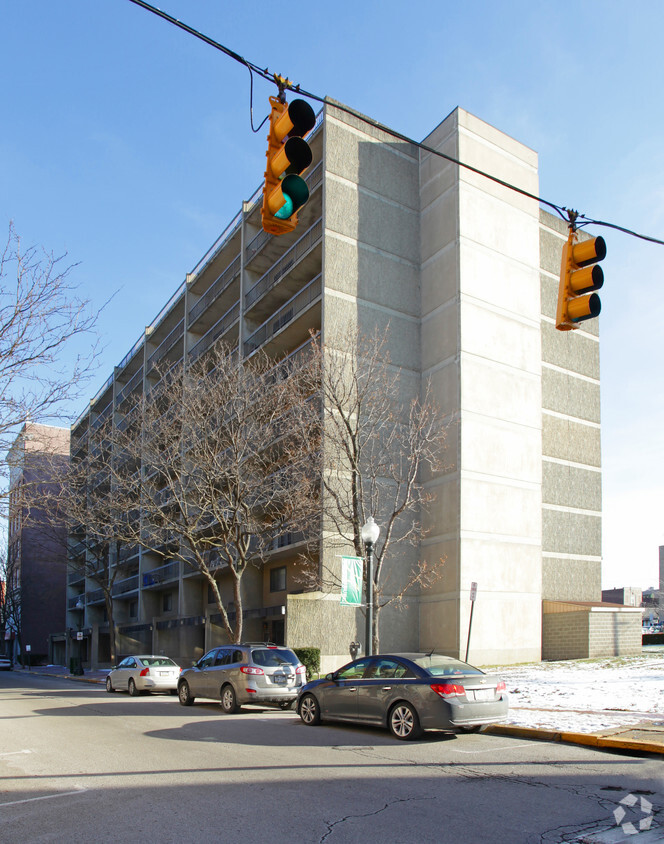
{"x": 351, "y": 581}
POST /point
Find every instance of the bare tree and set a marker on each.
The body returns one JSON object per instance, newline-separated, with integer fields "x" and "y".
{"x": 10, "y": 599}
{"x": 48, "y": 345}
{"x": 375, "y": 447}
{"x": 213, "y": 488}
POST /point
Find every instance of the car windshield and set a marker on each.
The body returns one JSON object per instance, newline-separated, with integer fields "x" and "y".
{"x": 442, "y": 666}
{"x": 273, "y": 657}
{"x": 157, "y": 661}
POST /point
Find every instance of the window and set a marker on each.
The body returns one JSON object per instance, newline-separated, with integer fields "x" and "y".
{"x": 355, "y": 671}
{"x": 223, "y": 657}
{"x": 389, "y": 668}
{"x": 167, "y": 602}
{"x": 278, "y": 579}
{"x": 133, "y": 609}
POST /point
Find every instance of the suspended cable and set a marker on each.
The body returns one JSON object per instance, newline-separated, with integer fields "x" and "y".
{"x": 571, "y": 217}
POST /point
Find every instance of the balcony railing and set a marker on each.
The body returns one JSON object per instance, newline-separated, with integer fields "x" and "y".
{"x": 217, "y": 330}
{"x": 75, "y": 577}
{"x": 288, "y": 260}
{"x": 122, "y": 587}
{"x": 166, "y": 344}
{"x": 215, "y": 290}
{"x": 287, "y": 313}
{"x": 155, "y": 577}
{"x": 96, "y": 596}
{"x": 101, "y": 417}
{"x": 130, "y": 386}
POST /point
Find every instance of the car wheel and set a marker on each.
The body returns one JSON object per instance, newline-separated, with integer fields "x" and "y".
{"x": 184, "y": 694}
{"x": 109, "y": 686}
{"x": 310, "y": 711}
{"x": 403, "y": 722}
{"x": 131, "y": 687}
{"x": 229, "y": 700}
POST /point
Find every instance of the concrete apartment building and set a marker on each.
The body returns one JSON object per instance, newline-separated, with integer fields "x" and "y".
{"x": 36, "y": 563}
{"x": 464, "y": 272}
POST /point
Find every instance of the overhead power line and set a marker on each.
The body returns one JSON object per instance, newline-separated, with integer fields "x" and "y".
{"x": 573, "y": 218}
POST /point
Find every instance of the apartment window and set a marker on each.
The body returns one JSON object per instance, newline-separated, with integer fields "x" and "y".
{"x": 133, "y": 609}
{"x": 278, "y": 579}
{"x": 167, "y": 602}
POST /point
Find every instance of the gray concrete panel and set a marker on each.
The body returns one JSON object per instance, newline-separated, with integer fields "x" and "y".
{"x": 570, "y": 580}
{"x": 570, "y": 486}
{"x": 567, "y": 439}
{"x": 564, "y": 393}
{"x": 565, "y": 532}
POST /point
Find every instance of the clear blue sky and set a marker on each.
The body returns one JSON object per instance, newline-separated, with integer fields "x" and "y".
{"x": 127, "y": 143}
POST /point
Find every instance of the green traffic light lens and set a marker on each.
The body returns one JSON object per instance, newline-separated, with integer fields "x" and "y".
{"x": 296, "y": 193}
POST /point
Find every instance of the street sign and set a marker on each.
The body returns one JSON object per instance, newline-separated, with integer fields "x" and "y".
{"x": 79, "y": 636}
{"x": 351, "y": 581}
{"x": 473, "y": 591}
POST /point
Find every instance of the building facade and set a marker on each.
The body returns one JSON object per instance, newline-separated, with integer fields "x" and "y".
{"x": 36, "y": 556}
{"x": 461, "y": 274}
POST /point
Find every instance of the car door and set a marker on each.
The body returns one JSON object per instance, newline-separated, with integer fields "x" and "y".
{"x": 200, "y": 682}
{"x": 383, "y": 683}
{"x": 123, "y": 673}
{"x": 339, "y": 699}
{"x": 216, "y": 673}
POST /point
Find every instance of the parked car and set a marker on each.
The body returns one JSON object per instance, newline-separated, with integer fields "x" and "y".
{"x": 245, "y": 673}
{"x": 5, "y": 663}
{"x": 407, "y": 693}
{"x": 144, "y": 673}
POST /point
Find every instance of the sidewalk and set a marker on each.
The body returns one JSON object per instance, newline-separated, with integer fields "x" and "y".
{"x": 644, "y": 737}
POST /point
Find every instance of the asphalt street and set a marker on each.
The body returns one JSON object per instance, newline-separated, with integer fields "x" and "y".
{"x": 80, "y": 765}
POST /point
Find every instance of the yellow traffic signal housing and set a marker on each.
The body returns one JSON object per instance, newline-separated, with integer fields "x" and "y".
{"x": 579, "y": 277}
{"x": 288, "y": 155}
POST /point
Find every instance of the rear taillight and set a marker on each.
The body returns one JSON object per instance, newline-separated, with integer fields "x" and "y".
{"x": 501, "y": 687}
{"x": 144, "y": 672}
{"x": 249, "y": 669}
{"x": 300, "y": 669}
{"x": 448, "y": 689}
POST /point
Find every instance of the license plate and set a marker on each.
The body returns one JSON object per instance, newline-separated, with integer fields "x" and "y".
{"x": 164, "y": 673}
{"x": 280, "y": 679}
{"x": 483, "y": 694}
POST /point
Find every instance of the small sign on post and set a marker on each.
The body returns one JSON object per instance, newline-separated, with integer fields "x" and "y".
{"x": 473, "y": 596}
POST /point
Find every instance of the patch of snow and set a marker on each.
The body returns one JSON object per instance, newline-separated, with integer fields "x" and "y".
{"x": 588, "y": 695}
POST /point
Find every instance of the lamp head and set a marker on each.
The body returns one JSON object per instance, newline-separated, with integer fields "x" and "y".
{"x": 370, "y": 531}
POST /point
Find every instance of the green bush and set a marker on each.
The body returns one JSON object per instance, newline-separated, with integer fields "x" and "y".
{"x": 310, "y": 658}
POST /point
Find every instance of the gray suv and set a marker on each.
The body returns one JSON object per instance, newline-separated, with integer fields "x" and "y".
{"x": 249, "y": 673}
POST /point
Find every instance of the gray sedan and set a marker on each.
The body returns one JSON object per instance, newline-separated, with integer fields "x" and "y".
{"x": 144, "y": 673}
{"x": 407, "y": 693}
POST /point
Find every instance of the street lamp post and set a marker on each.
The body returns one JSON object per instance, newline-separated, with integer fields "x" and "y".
{"x": 370, "y": 531}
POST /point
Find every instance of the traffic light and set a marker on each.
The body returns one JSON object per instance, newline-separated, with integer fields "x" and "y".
{"x": 288, "y": 155}
{"x": 579, "y": 277}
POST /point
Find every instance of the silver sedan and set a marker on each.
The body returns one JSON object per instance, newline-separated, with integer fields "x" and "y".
{"x": 145, "y": 673}
{"x": 407, "y": 693}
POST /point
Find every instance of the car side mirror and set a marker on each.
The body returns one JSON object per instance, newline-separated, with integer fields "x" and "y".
{"x": 331, "y": 677}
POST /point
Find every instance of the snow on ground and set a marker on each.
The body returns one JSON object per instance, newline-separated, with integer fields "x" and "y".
{"x": 588, "y": 695}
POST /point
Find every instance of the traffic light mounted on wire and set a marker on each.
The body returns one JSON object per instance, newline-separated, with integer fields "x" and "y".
{"x": 579, "y": 277}
{"x": 288, "y": 155}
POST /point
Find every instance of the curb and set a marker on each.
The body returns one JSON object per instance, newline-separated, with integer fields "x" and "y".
{"x": 588, "y": 739}
{"x": 76, "y": 677}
